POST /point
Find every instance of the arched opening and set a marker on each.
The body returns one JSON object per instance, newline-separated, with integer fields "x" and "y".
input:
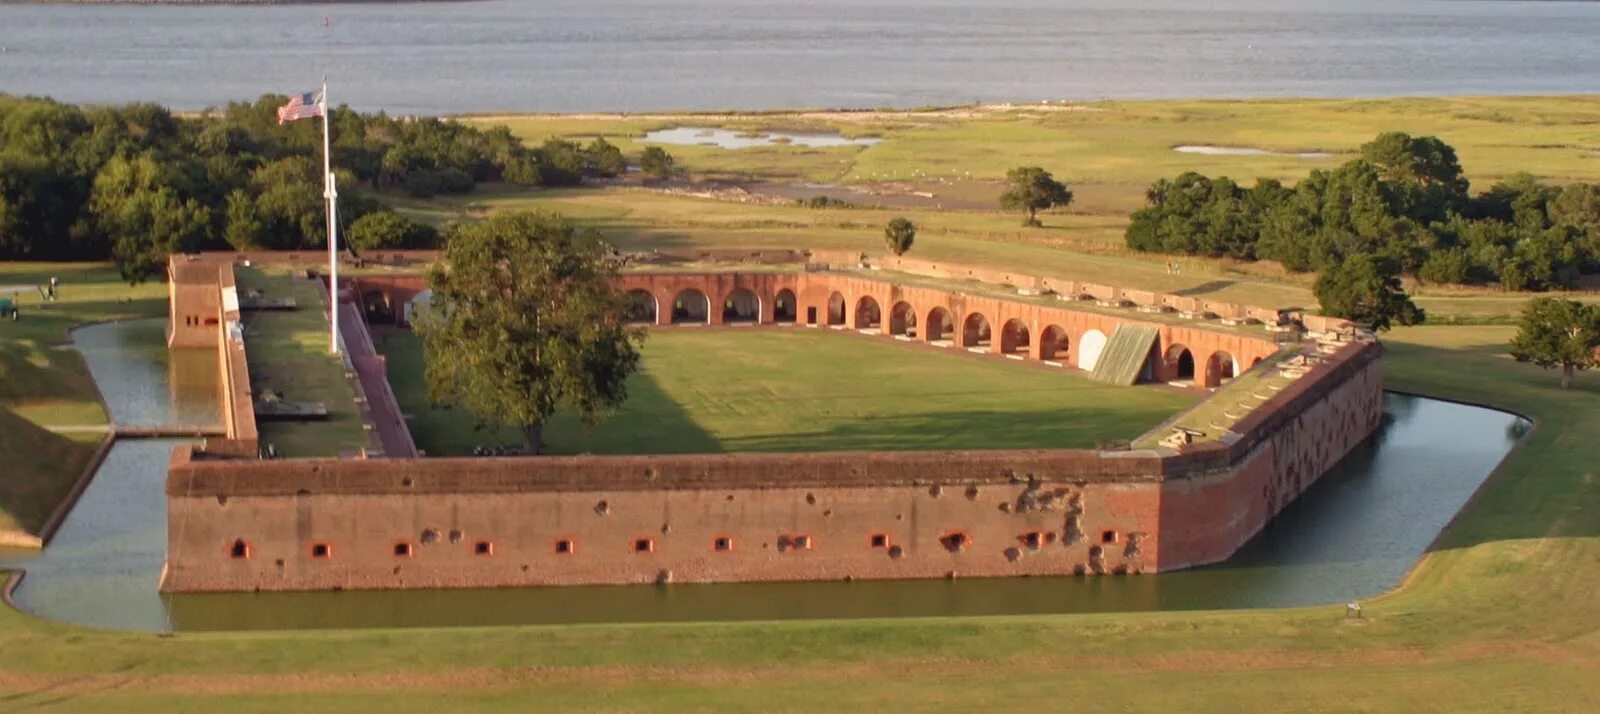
{"x": 1053, "y": 343}
{"x": 642, "y": 307}
{"x": 1220, "y": 369}
{"x": 903, "y": 320}
{"x": 741, "y": 307}
{"x": 835, "y": 309}
{"x": 1089, "y": 348}
{"x": 1014, "y": 338}
{"x": 1255, "y": 362}
{"x": 377, "y": 308}
{"x": 784, "y": 307}
{"x": 691, "y": 307}
{"x": 940, "y": 325}
{"x": 975, "y": 331}
{"x": 1180, "y": 363}
{"x": 868, "y": 315}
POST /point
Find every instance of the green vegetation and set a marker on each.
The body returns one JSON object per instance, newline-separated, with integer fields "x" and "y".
{"x": 137, "y": 183}
{"x": 1366, "y": 289}
{"x": 813, "y": 390}
{"x": 1446, "y": 640}
{"x": 656, "y": 162}
{"x": 1032, "y": 189}
{"x": 526, "y": 318}
{"x": 43, "y": 385}
{"x": 1404, "y": 202}
{"x": 898, "y": 235}
{"x": 1559, "y": 333}
{"x": 288, "y": 355}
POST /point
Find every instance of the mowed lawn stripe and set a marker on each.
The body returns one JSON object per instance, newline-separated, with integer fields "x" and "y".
{"x": 810, "y": 390}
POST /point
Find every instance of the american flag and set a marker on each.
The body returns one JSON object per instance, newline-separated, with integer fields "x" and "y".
{"x": 301, "y": 106}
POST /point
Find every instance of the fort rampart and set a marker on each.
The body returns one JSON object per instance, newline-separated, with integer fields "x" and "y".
{"x": 246, "y": 524}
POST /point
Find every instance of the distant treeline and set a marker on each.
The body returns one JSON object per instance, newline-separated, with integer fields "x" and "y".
{"x": 136, "y": 183}
{"x": 1404, "y": 203}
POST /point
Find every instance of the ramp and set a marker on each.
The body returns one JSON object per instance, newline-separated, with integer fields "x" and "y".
{"x": 1125, "y": 354}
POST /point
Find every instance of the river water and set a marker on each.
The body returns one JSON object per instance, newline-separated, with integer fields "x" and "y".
{"x": 630, "y": 55}
{"x": 1351, "y": 536}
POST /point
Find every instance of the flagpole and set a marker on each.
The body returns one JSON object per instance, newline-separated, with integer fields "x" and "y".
{"x": 330, "y": 193}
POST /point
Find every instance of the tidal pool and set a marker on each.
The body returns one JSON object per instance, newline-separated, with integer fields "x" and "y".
{"x": 1351, "y": 536}
{"x": 1246, "y": 151}
{"x": 729, "y": 139}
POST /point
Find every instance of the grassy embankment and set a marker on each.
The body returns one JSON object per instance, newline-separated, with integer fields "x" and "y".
{"x": 45, "y": 385}
{"x": 1501, "y": 616}
{"x": 812, "y": 390}
{"x": 288, "y": 354}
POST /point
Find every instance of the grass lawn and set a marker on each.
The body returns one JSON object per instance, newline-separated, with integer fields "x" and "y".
{"x": 723, "y": 390}
{"x": 288, "y": 353}
{"x": 44, "y": 384}
{"x": 1500, "y": 616}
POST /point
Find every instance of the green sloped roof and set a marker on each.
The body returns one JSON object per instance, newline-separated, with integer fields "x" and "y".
{"x": 1124, "y": 355}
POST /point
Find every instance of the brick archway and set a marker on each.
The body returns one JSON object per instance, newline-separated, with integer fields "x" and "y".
{"x": 1220, "y": 368}
{"x": 975, "y": 331}
{"x": 939, "y": 326}
{"x": 691, "y": 307}
{"x": 785, "y": 308}
{"x": 903, "y": 320}
{"x": 741, "y": 306}
{"x": 836, "y": 305}
{"x": 1053, "y": 344}
{"x": 869, "y": 315}
{"x": 1014, "y": 338}
{"x": 1179, "y": 363}
{"x": 1089, "y": 347}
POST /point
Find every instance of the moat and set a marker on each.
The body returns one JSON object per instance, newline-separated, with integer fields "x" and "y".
{"x": 1351, "y": 536}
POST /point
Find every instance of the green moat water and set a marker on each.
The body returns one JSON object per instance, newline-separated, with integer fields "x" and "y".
{"x": 1351, "y": 536}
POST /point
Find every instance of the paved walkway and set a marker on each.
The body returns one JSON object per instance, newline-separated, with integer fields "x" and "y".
{"x": 373, "y": 373}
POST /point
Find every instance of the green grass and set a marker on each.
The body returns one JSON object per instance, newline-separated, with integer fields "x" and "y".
{"x": 730, "y": 390}
{"x": 1123, "y": 145}
{"x": 1499, "y": 617}
{"x": 45, "y": 384}
{"x": 288, "y": 353}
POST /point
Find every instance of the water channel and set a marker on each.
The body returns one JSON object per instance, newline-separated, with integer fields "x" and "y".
{"x": 1352, "y": 536}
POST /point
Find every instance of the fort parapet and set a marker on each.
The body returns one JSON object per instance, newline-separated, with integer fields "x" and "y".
{"x": 304, "y": 524}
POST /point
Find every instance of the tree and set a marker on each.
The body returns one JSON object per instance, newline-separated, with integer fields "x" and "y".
{"x": 1366, "y": 289}
{"x": 386, "y": 229}
{"x": 605, "y": 159}
{"x": 525, "y": 317}
{"x": 1558, "y": 333}
{"x": 898, "y": 235}
{"x": 1032, "y": 189}
{"x": 656, "y": 162}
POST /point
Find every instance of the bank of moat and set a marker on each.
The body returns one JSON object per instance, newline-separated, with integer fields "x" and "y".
{"x": 1288, "y": 396}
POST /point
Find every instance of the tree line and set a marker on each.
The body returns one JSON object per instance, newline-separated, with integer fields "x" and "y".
{"x": 136, "y": 183}
{"x": 1404, "y": 203}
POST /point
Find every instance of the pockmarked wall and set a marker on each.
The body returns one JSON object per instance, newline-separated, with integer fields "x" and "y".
{"x": 412, "y": 523}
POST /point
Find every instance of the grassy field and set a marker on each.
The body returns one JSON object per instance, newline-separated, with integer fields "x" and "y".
{"x": 1123, "y": 145}
{"x": 43, "y": 384}
{"x": 813, "y": 390}
{"x": 1500, "y": 616}
{"x": 288, "y": 354}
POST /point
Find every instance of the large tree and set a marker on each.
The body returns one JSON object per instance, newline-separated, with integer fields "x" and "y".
{"x": 1559, "y": 333}
{"x": 525, "y": 318}
{"x": 898, "y": 235}
{"x": 1366, "y": 289}
{"x": 1032, "y": 189}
